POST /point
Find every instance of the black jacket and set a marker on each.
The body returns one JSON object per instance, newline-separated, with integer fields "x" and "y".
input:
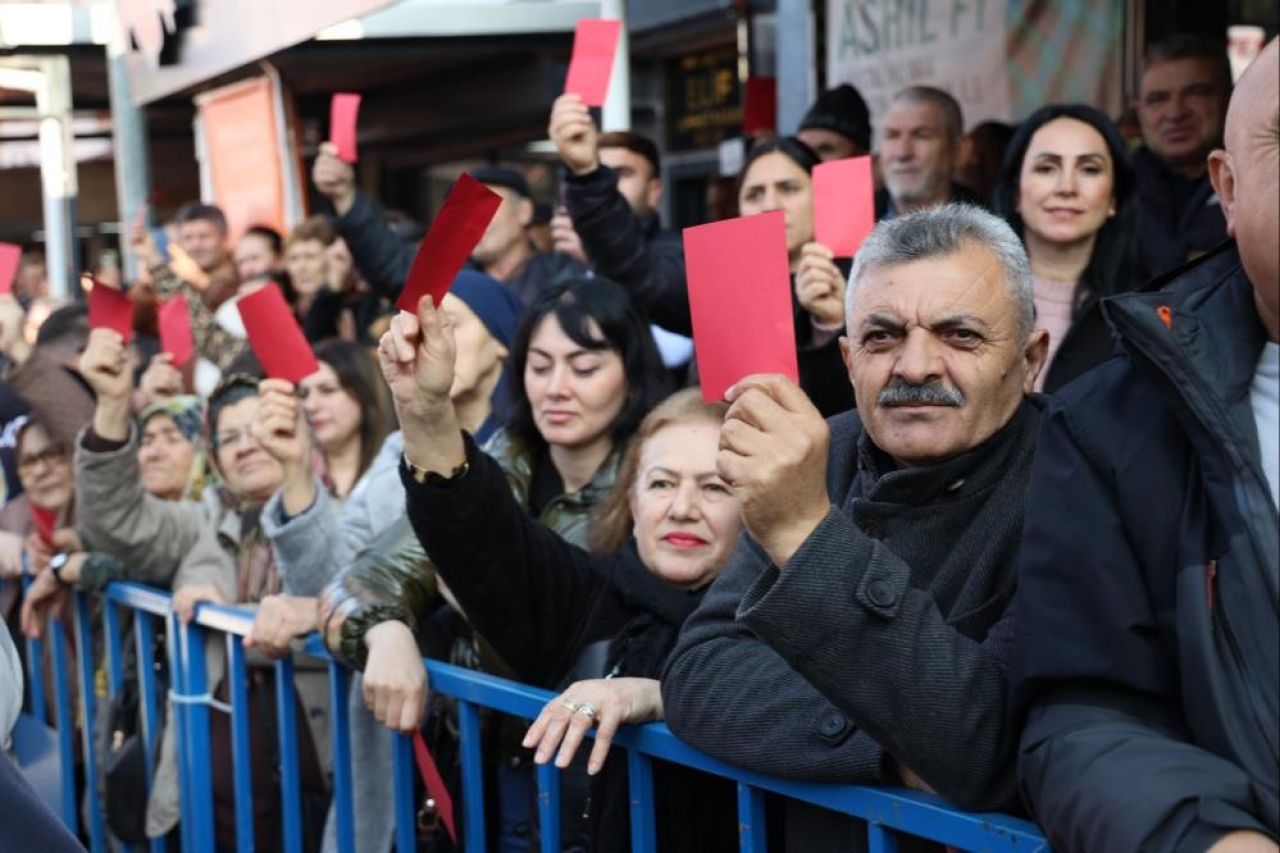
{"x": 540, "y": 601}
{"x": 1148, "y": 622}
{"x": 630, "y": 250}
{"x": 1178, "y": 218}
{"x": 384, "y": 258}
{"x": 885, "y": 634}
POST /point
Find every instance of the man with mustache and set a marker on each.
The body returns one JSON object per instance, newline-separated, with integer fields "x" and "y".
{"x": 859, "y": 633}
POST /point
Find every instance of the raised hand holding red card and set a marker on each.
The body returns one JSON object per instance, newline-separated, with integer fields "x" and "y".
{"x": 595, "y": 42}
{"x": 343, "y": 113}
{"x": 740, "y": 299}
{"x": 843, "y": 204}
{"x": 10, "y": 256}
{"x": 175, "y": 329}
{"x": 454, "y": 233}
{"x": 275, "y": 337}
{"x": 110, "y": 309}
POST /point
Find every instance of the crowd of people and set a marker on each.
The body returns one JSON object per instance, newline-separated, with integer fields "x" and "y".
{"x": 1012, "y": 537}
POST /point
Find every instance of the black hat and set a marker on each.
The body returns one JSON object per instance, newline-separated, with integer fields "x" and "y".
{"x": 502, "y": 177}
{"x": 843, "y": 111}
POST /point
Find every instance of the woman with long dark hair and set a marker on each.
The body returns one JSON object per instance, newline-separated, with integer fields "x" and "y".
{"x": 586, "y": 373}
{"x": 1066, "y": 188}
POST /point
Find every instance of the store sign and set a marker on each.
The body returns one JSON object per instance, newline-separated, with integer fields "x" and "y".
{"x": 1000, "y": 58}
{"x": 242, "y": 142}
{"x": 704, "y": 100}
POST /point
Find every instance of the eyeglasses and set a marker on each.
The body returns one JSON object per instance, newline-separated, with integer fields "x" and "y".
{"x": 50, "y": 455}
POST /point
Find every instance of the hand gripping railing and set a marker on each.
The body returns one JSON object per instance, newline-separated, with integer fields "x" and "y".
{"x": 888, "y": 812}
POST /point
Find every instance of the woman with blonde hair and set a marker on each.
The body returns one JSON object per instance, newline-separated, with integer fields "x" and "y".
{"x": 539, "y": 600}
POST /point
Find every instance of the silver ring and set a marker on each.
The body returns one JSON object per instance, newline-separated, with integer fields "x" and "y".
{"x": 571, "y": 705}
{"x": 586, "y": 708}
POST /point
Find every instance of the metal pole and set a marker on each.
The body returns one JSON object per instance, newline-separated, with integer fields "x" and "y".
{"x": 129, "y": 131}
{"x": 58, "y": 175}
{"x": 795, "y": 63}
{"x": 616, "y": 114}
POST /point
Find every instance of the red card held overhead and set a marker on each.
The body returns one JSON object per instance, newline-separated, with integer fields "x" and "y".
{"x": 175, "y": 330}
{"x": 843, "y": 204}
{"x": 10, "y": 256}
{"x": 343, "y": 111}
{"x": 454, "y": 233}
{"x": 595, "y": 42}
{"x": 760, "y": 105}
{"x": 110, "y": 309}
{"x": 275, "y": 337}
{"x": 740, "y": 299}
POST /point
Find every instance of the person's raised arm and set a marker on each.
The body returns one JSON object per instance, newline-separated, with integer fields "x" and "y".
{"x": 104, "y": 364}
{"x": 383, "y": 258}
{"x": 417, "y": 356}
{"x": 649, "y": 266}
{"x": 281, "y": 428}
{"x": 150, "y": 535}
{"x": 211, "y": 340}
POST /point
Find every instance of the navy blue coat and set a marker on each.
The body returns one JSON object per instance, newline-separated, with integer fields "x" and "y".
{"x": 1148, "y": 617}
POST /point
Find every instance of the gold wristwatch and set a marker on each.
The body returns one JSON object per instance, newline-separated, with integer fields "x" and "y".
{"x": 422, "y": 475}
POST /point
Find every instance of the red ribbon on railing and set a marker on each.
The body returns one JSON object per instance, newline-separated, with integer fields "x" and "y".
{"x": 436, "y": 789}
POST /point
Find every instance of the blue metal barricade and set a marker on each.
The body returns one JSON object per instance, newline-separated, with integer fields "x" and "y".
{"x": 887, "y": 812}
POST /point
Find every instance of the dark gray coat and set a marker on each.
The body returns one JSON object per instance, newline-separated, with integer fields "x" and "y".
{"x": 886, "y": 633}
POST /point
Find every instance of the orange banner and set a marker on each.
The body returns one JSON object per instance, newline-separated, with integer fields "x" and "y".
{"x": 246, "y": 161}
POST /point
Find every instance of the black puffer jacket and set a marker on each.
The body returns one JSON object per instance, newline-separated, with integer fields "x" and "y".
{"x": 1148, "y": 605}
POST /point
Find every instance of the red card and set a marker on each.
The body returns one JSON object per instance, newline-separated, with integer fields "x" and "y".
{"x": 740, "y": 299}
{"x": 110, "y": 309}
{"x": 434, "y": 783}
{"x": 10, "y": 255}
{"x": 843, "y": 204}
{"x": 342, "y": 124}
{"x": 175, "y": 330}
{"x": 455, "y": 231}
{"x": 274, "y": 335}
{"x": 595, "y": 42}
{"x": 760, "y": 105}
{"x": 44, "y": 521}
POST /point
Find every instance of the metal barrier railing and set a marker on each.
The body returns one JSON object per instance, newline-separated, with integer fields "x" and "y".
{"x": 888, "y": 812}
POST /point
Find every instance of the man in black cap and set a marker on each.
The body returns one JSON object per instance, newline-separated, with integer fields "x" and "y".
{"x": 505, "y": 252}
{"x": 838, "y": 125}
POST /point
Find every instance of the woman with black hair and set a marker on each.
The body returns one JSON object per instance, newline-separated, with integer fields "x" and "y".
{"x": 588, "y": 373}
{"x": 1066, "y": 188}
{"x": 591, "y": 373}
{"x": 778, "y": 175}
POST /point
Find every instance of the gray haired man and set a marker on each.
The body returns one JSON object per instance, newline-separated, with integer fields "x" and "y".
{"x": 859, "y": 633}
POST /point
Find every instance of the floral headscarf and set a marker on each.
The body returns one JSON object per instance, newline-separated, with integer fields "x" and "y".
{"x": 187, "y": 415}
